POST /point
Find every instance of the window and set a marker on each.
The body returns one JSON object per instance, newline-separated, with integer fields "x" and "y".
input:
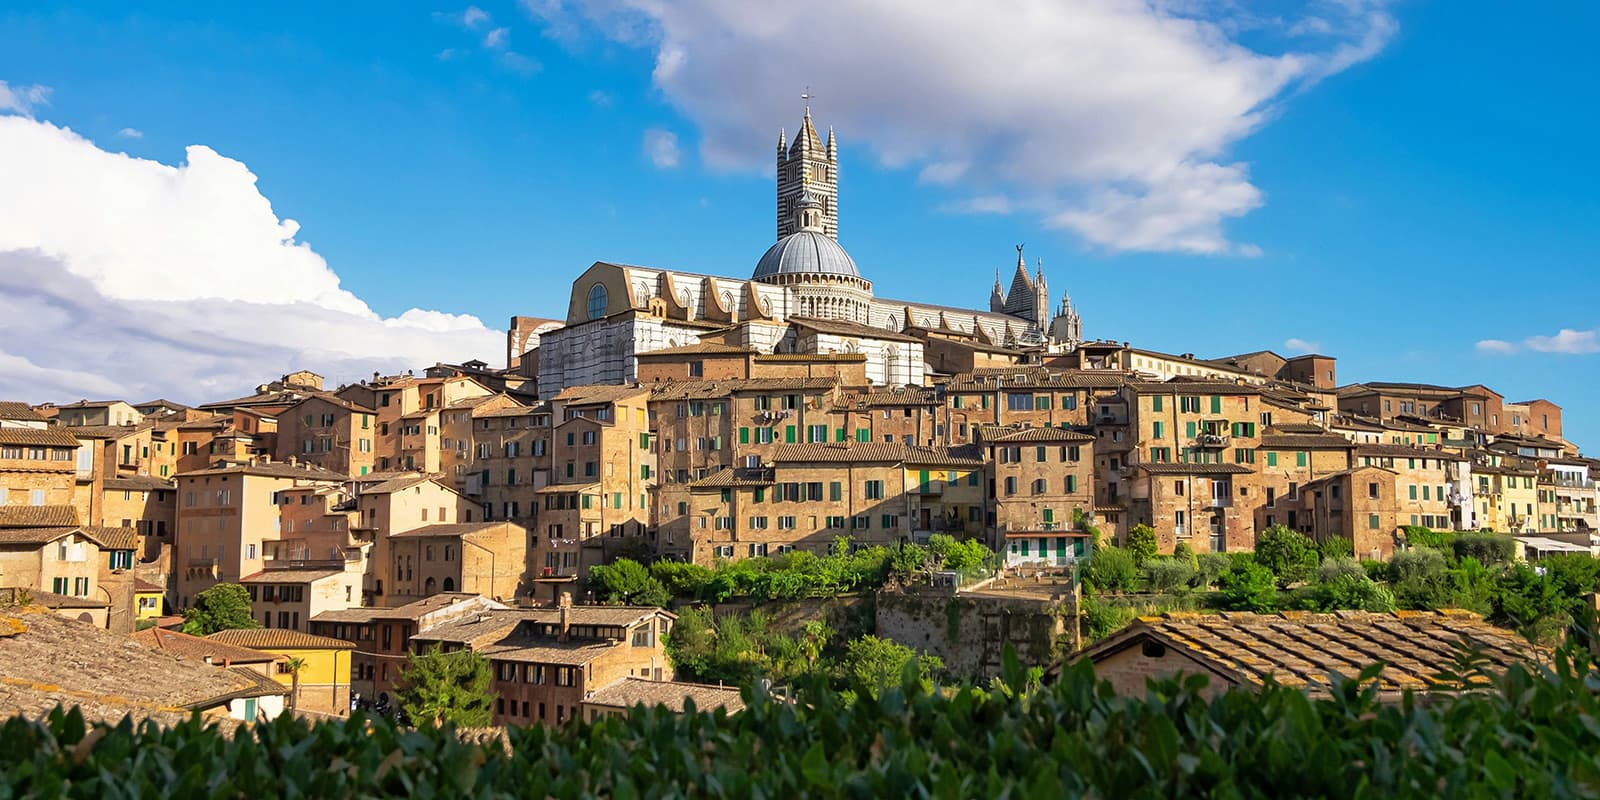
{"x": 1019, "y": 402}
{"x": 874, "y": 490}
{"x": 1372, "y": 521}
{"x": 597, "y": 301}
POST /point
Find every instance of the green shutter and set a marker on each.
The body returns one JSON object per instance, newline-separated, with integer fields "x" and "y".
{"x": 1216, "y": 404}
{"x": 1072, "y": 483}
{"x": 1155, "y": 403}
{"x": 1156, "y": 430}
{"x": 861, "y": 434}
{"x": 838, "y": 434}
{"x": 788, "y": 434}
{"x": 1272, "y": 458}
{"x": 1188, "y": 429}
{"x": 744, "y": 436}
{"x": 1300, "y": 458}
{"x": 835, "y": 491}
{"x": 1050, "y": 513}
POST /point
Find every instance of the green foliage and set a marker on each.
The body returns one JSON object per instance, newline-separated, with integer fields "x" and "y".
{"x": 873, "y": 665}
{"x": 1112, "y": 569}
{"x": 1167, "y": 574}
{"x": 438, "y": 688}
{"x": 738, "y": 649}
{"x": 627, "y": 582}
{"x": 1336, "y": 547}
{"x": 1418, "y": 536}
{"x": 1352, "y": 591}
{"x": 1530, "y": 732}
{"x": 1488, "y": 548}
{"x": 1531, "y": 603}
{"x": 1288, "y": 554}
{"x": 1574, "y": 574}
{"x": 1416, "y": 563}
{"x": 1101, "y": 619}
{"x": 1209, "y": 568}
{"x": 1417, "y": 577}
{"x": 1338, "y": 566}
{"x": 1376, "y": 570}
{"x": 959, "y": 555}
{"x": 1183, "y": 552}
{"x": 225, "y": 606}
{"x": 1142, "y": 544}
{"x": 1248, "y": 587}
{"x": 681, "y": 579}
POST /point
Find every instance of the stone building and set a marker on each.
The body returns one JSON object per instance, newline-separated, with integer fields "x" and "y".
{"x": 486, "y": 558}
{"x": 329, "y": 432}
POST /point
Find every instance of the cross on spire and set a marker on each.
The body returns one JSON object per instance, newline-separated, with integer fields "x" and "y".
{"x": 807, "y": 96}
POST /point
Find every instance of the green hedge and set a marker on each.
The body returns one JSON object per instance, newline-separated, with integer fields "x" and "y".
{"x": 1534, "y": 735}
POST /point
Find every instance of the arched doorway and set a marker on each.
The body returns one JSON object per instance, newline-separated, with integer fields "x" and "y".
{"x": 428, "y": 586}
{"x": 449, "y": 584}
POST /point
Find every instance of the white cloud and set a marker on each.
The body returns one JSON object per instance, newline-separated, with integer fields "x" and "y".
{"x": 599, "y": 98}
{"x": 22, "y": 99}
{"x": 129, "y": 277}
{"x": 1113, "y": 118}
{"x": 473, "y": 17}
{"x": 1566, "y": 341}
{"x": 519, "y": 63}
{"x": 497, "y": 38}
{"x": 447, "y": 54}
{"x": 661, "y": 146}
{"x": 982, "y": 204}
{"x": 1298, "y": 347}
{"x": 131, "y": 133}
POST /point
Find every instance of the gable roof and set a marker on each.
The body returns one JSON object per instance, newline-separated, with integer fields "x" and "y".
{"x": 1299, "y": 648}
{"x": 877, "y": 452}
{"x": 139, "y": 483}
{"x": 34, "y": 536}
{"x": 53, "y": 436}
{"x": 593, "y": 394}
{"x": 1180, "y": 468}
{"x": 113, "y": 538}
{"x": 839, "y": 327}
{"x": 1040, "y": 434}
{"x": 268, "y": 639}
{"x": 632, "y": 691}
{"x": 21, "y": 412}
{"x": 447, "y": 529}
{"x": 199, "y": 648}
{"x": 38, "y": 516}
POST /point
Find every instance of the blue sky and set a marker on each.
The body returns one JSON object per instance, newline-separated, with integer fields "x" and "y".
{"x": 1421, "y": 183}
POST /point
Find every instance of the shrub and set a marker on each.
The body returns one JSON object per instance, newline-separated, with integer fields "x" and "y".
{"x": 1337, "y": 566}
{"x": 1418, "y": 536}
{"x": 1336, "y": 547}
{"x": 1350, "y": 591}
{"x": 959, "y": 555}
{"x": 1415, "y": 563}
{"x": 626, "y": 582}
{"x": 1287, "y": 553}
{"x": 1417, "y": 578}
{"x": 1111, "y": 569}
{"x": 1376, "y": 570}
{"x": 1183, "y": 552}
{"x": 1249, "y": 587}
{"x": 1101, "y": 619}
{"x": 1167, "y": 574}
{"x": 680, "y": 578}
{"x": 1142, "y": 544}
{"x": 1488, "y": 548}
{"x": 1210, "y": 566}
{"x": 1531, "y": 603}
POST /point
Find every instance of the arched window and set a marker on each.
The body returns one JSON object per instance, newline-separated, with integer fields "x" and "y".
{"x": 427, "y": 586}
{"x": 597, "y": 301}
{"x": 449, "y": 584}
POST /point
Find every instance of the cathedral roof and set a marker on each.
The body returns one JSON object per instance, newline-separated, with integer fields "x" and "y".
{"x": 807, "y": 135}
{"x": 806, "y": 252}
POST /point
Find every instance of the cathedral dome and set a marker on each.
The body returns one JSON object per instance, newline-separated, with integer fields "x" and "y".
{"x": 806, "y": 252}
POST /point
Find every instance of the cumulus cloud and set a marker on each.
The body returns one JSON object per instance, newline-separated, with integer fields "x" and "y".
{"x": 1298, "y": 347}
{"x": 519, "y": 63}
{"x": 600, "y": 98}
{"x": 661, "y": 146}
{"x": 1113, "y": 118}
{"x": 982, "y": 204}
{"x": 496, "y": 38}
{"x": 129, "y": 277}
{"x": 22, "y": 99}
{"x": 1566, "y": 342}
{"x": 131, "y": 133}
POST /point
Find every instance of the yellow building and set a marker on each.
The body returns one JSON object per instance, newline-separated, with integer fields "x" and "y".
{"x": 146, "y": 601}
{"x": 324, "y": 664}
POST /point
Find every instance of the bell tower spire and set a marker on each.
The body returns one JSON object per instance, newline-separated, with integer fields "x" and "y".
{"x": 808, "y": 165}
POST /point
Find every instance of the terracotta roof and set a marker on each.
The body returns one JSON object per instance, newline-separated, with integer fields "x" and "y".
{"x": 801, "y": 357}
{"x": 1299, "y": 648}
{"x": 199, "y": 648}
{"x": 418, "y": 608}
{"x": 34, "y": 535}
{"x": 13, "y": 516}
{"x": 1164, "y": 468}
{"x": 107, "y": 431}
{"x": 558, "y": 488}
{"x": 51, "y": 660}
{"x": 500, "y": 626}
{"x": 839, "y": 327}
{"x": 117, "y": 538}
{"x": 879, "y": 452}
{"x": 1193, "y": 387}
{"x": 269, "y": 639}
{"x": 894, "y": 396}
{"x": 143, "y": 586}
{"x": 256, "y": 684}
{"x": 335, "y": 401}
{"x": 1294, "y": 427}
{"x": 1040, "y": 434}
{"x": 512, "y": 411}
{"x": 448, "y": 529}
{"x": 675, "y": 695}
{"x": 53, "y": 436}
{"x": 22, "y": 412}
{"x": 60, "y": 601}
{"x": 272, "y": 469}
{"x": 139, "y": 483}
{"x": 543, "y": 650}
{"x": 703, "y": 348}
{"x": 290, "y": 575}
{"x": 697, "y": 390}
{"x": 586, "y": 395}
{"x": 729, "y": 477}
{"x": 399, "y": 484}
{"x": 1305, "y": 441}
{"x": 361, "y": 615}
{"x": 1033, "y": 378}
{"x": 1406, "y": 451}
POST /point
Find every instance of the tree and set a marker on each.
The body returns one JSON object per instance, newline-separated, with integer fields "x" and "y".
{"x": 1336, "y": 547}
{"x": 1249, "y": 587}
{"x": 680, "y": 578}
{"x": 1167, "y": 574}
{"x": 1530, "y": 602}
{"x": 1288, "y": 554}
{"x": 1111, "y": 568}
{"x": 225, "y": 606}
{"x": 1350, "y": 591}
{"x": 1209, "y": 568}
{"x": 627, "y": 582}
{"x": 958, "y": 555}
{"x": 294, "y": 665}
{"x": 441, "y": 688}
{"x": 876, "y": 664}
{"x": 1142, "y": 544}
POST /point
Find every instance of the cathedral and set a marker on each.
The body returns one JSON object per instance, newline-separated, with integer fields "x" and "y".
{"x": 805, "y": 296}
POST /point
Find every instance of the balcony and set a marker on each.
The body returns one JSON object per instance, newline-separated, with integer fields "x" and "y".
{"x": 1211, "y": 440}
{"x": 1218, "y": 502}
{"x": 931, "y": 487}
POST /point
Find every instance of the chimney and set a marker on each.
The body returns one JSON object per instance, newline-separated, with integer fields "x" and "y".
{"x": 565, "y": 606}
